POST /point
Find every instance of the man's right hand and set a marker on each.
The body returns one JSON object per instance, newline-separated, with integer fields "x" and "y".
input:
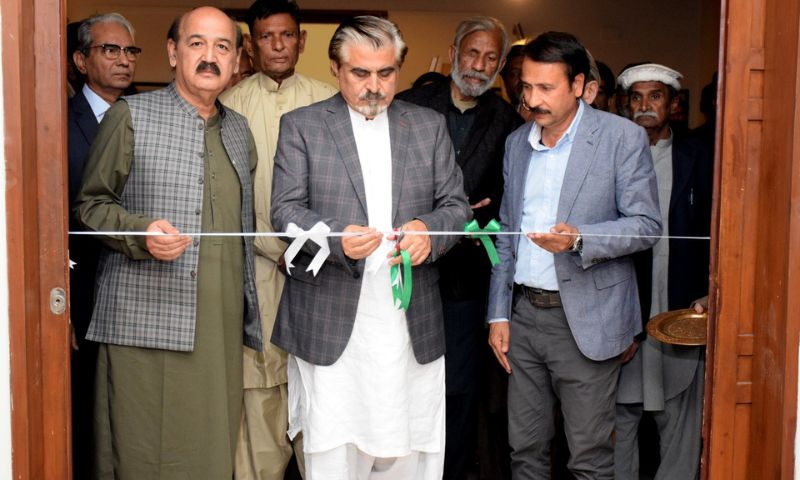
{"x": 166, "y": 247}
{"x": 499, "y": 338}
{"x": 360, "y": 246}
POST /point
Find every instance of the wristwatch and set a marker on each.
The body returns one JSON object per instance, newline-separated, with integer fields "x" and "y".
{"x": 577, "y": 245}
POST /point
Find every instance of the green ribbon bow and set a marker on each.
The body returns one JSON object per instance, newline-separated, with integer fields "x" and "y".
{"x": 401, "y": 285}
{"x": 483, "y": 234}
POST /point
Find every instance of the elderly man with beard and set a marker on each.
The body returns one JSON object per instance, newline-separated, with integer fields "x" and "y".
{"x": 172, "y": 309}
{"x": 662, "y": 380}
{"x": 366, "y": 379}
{"x": 478, "y": 122}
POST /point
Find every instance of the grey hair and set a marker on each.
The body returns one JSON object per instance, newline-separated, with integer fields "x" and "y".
{"x": 375, "y": 31}
{"x": 481, "y": 24}
{"x": 85, "y": 30}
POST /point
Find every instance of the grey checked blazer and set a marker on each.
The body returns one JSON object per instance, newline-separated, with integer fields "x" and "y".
{"x": 317, "y": 177}
{"x": 609, "y": 188}
{"x": 151, "y": 303}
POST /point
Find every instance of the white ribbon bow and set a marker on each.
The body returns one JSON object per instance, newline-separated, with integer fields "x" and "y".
{"x": 318, "y": 234}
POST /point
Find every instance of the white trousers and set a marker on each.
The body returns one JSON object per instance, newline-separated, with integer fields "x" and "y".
{"x": 347, "y": 462}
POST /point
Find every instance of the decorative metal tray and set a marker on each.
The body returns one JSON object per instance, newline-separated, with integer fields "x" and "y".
{"x": 679, "y": 327}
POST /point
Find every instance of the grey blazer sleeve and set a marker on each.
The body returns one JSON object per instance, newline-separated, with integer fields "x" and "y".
{"x": 636, "y": 200}
{"x": 502, "y": 281}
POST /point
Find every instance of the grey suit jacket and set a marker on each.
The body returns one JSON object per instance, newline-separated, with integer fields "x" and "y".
{"x": 317, "y": 177}
{"x": 609, "y": 188}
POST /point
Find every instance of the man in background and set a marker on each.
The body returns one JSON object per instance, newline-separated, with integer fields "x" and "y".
{"x": 666, "y": 381}
{"x": 105, "y": 55}
{"x": 276, "y": 42}
{"x": 478, "y": 122}
{"x": 510, "y": 73}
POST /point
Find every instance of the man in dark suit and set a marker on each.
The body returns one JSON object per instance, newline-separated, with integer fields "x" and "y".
{"x": 107, "y": 70}
{"x": 366, "y": 379}
{"x": 667, "y": 380}
{"x": 478, "y": 122}
{"x": 563, "y": 302}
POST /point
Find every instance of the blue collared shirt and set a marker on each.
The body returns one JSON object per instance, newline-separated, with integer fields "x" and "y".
{"x": 535, "y": 265}
{"x": 98, "y": 105}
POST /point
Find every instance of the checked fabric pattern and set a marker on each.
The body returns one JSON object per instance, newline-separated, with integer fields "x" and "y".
{"x": 150, "y": 303}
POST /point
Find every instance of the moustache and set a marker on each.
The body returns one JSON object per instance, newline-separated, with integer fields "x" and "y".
{"x": 372, "y": 96}
{"x": 637, "y": 115}
{"x": 208, "y": 67}
{"x": 540, "y": 111}
{"x": 477, "y": 75}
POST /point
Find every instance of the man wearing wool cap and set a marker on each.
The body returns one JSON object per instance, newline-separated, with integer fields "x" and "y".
{"x": 662, "y": 380}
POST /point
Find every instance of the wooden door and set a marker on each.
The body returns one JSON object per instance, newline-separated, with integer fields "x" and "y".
{"x": 751, "y": 400}
{"x": 35, "y": 152}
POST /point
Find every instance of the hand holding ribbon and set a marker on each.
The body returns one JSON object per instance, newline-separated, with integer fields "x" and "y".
{"x": 318, "y": 234}
{"x": 483, "y": 234}
{"x": 417, "y": 245}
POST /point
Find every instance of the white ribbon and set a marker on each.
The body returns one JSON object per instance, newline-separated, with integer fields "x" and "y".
{"x": 318, "y": 234}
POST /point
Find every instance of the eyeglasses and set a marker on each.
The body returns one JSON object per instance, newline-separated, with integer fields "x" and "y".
{"x": 111, "y": 51}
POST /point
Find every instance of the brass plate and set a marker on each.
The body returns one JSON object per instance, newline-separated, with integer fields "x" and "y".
{"x": 679, "y": 327}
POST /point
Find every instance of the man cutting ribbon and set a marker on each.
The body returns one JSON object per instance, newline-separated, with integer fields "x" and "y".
{"x": 366, "y": 380}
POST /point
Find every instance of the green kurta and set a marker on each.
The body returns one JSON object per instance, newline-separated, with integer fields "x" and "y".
{"x": 175, "y": 415}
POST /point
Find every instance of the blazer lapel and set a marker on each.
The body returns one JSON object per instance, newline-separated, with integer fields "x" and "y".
{"x": 84, "y": 116}
{"x": 338, "y": 122}
{"x": 398, "y": 135}
{"x": 518, "y": 174}
{"x": 580, "y": 160}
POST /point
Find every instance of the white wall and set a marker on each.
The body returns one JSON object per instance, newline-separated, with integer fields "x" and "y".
{"x": 5, "y": 371}
{"x": 679, "y": 33}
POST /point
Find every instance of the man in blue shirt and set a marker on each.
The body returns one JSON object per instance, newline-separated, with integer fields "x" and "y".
{"x": 563, "y": 302}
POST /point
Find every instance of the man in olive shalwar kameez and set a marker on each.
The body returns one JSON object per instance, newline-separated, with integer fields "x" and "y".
{"x": 170, "y": 308}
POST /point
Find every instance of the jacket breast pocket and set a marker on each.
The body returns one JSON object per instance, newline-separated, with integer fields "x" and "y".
{"x": 611, "y": 273}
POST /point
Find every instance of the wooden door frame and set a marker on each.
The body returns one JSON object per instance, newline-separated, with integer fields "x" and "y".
{"x": 754, "y": 329}
{"x": 35, "y": 154}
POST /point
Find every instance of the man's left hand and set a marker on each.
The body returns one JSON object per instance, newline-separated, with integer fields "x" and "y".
{"x": 556, "y": 241}
{"x": 417, "y": 246}
{"x": 629, "y": 352}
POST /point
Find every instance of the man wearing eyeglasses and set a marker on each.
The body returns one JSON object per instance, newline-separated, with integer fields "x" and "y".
{"x": 105, "y": 55}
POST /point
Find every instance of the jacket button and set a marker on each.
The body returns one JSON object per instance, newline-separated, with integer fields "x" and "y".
{"x": 200, "y": 180}
{"x": 196, "y": 241}
{"x": 193, "y": 274}
{"x": 197, "y": 211}
{"x": 356, "y": 274}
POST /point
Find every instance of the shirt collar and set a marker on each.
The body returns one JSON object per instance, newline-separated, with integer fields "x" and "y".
{"x": 97, "y": 104}
{"x": 271, "y": 85}
{"x": 535, "y": 136}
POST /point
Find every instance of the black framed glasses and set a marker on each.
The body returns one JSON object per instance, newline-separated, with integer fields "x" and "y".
{"x": 112, "y": 52}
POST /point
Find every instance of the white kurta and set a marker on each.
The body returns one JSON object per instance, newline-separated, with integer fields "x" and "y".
{"x": 376, "y": 396}
{"x": 662, "y": 162}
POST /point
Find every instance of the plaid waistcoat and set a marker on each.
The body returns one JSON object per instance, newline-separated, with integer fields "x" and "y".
{"x": 152, "y": 303}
